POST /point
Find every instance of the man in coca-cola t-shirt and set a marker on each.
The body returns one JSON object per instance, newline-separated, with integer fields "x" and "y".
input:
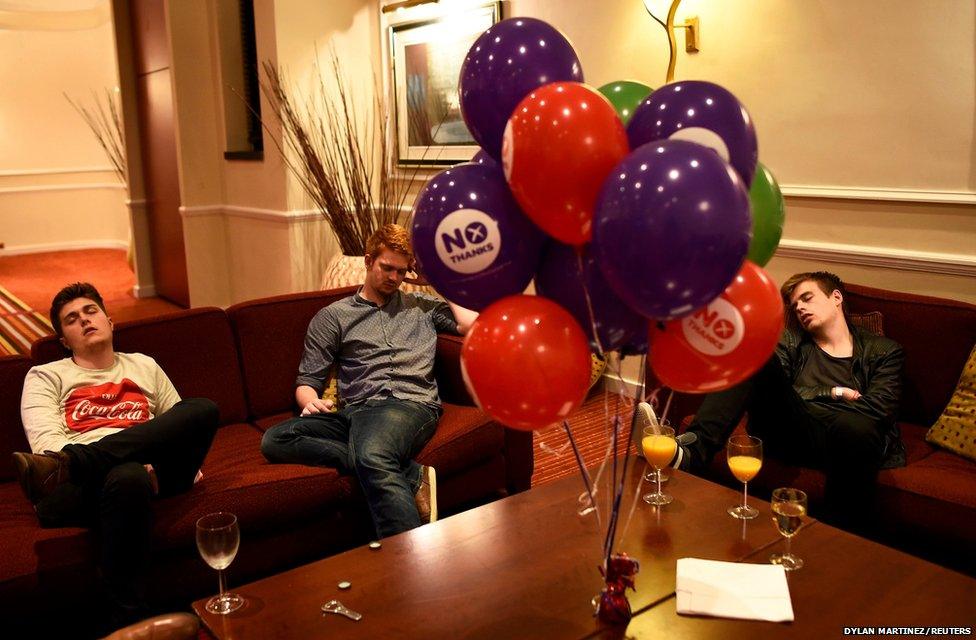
{"x": 108, "y": 432}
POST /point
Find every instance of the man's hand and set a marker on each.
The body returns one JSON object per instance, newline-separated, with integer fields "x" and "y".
{"x": 153, "y": 480}
{"x": 844, "y": 393}
{"x": 318, "y": 406}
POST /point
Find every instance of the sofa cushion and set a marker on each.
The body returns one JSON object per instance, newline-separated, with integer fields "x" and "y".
{"x": 270, "y": 334}
{"x": 913, "y": 437}
{"x": 465, "y": 436}
{"x": 937, "y": 336}
{"x": 195, "y": 348}
{"x": 27, "y": 548}
{"x": 872, "y": 321}
{"x": 941, "y": 475}
{"x": 955, "y": 429}
{"x": 12, "y": 438}
{"x": 237, "y": 478}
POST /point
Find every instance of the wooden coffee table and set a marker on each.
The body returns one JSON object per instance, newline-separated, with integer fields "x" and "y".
{"x": 846, "y": 581}
{"x": 517, "y": 567}
{"x": 526, "y": 566}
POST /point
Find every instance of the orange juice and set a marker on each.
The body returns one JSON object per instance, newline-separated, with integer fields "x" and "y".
{"x": 744, "y": 468}
{"x": 659, "y": 450}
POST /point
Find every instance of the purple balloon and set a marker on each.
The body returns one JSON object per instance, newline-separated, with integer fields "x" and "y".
{"x": 471, "y": 239}
{"x": 482, "y": 157}
{"x": 671, "y": 228}
{"x": 701, "y": 112}
{"x": 559, "y": 279}
{"x": 503, "y": 66}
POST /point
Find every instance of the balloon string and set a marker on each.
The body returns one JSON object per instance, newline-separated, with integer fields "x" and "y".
{"x": 589, "y": 302}
{"x": 667, "y": 406}
{"x": 640, "y": 477}
{"x": 608, "y": 540}
{"x": 618, "y": 485}
{"x": 582, "y": 467}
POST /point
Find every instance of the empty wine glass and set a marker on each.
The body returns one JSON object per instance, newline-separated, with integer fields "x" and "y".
{"x": 789, "y": 506}
{"x": 659, "y": 447}
{"x": 744, "y": 455}
{"x": 218, "y": 537}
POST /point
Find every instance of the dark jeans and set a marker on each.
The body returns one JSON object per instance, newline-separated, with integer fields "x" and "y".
{"x": 376, "y": 440}
{"x": 847, "y": 445}
{"x": 110, "y": 491}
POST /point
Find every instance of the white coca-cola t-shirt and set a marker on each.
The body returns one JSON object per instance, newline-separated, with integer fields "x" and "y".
{"x": 67, "y": 404}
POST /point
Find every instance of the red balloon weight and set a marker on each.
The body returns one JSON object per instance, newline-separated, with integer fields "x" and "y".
{"x": 560, "y": 144}
{"x": 526, "y": 362}
{"x": 724, "y": 342}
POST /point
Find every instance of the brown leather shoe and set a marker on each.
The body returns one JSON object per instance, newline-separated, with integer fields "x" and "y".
{"x": 172, "y": 626}
{"x": 426, "y": 496}
{"x": 41, "y": 473}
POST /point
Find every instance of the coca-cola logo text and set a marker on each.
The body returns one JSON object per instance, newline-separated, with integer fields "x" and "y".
{"x": 111, "y": 404}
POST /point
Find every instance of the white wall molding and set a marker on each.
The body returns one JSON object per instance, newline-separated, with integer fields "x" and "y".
{"x": 64, "y": 246}
{"x": 889, "y": 258}
{"x": 55, "y": 171}
{"x": 201, "y": 211}
{"x": 63, "y": 187}
{"x": 273, "y": 215}
{"x": 252, "y": 213}
{"x": 881, "y": 195}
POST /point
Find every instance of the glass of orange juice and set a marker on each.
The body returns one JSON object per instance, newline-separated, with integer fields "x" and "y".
{"x": 744, "y": 455}
{"x": 659, "y": 449}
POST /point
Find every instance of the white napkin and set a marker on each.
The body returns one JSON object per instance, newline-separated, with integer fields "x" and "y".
{"x": 733, "y": 590}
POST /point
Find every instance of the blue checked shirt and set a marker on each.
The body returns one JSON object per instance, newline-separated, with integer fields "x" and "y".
{"x": 381, "y": 351}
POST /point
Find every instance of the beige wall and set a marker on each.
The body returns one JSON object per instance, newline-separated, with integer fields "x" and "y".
{"x": 57, "y": 189}
{"x": 248, "y": 228}
{"x": 873, "y": 102}
{"x": 867, "y": 122}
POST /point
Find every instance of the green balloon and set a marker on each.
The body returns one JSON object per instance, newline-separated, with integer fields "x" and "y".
{"x": 625, "y": 95}
{"x": 768, "y": 213}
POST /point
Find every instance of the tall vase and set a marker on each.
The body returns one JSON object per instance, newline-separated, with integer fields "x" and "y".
{"x": 343, "y": 271}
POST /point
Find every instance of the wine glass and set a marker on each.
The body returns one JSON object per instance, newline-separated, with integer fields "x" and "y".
{"x": 789, "y": 506}
{"x": 659, "y": 448}
{"x": 217, "y": 540}
{"x": 652, "y": 474}
{"x": 744, "y": 455}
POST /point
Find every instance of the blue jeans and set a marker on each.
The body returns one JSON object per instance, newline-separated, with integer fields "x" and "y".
{"x": 376, "y": 440}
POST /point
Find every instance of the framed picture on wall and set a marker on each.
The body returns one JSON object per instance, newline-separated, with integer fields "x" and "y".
{"x": 426, "y": 63}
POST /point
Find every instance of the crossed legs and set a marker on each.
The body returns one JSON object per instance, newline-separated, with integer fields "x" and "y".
{"x": 376, "y": 441}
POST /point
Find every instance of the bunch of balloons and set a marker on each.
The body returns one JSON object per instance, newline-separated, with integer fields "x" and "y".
{"x": 643, "y": 216}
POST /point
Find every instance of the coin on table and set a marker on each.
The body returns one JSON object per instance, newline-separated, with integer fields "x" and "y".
{"x": 374, "y": 545}
{"x": 344, "y": 585}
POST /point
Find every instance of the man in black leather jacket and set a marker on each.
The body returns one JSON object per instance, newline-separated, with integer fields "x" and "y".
{"x": 827, "y": 399}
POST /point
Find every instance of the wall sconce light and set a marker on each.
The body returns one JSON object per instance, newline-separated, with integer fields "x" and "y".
{"x": 405, "y": 4}
{"x": 664, "y": 15}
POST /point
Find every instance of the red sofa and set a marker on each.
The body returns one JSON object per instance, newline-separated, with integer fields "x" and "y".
{"x": 928, "y": 507}
{"x": 245, "y": 359}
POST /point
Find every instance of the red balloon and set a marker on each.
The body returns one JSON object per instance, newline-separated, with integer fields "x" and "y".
{"x": 560, "y": 144}
{"x": 526, "y": 362}
{"x": 724, "y": 342}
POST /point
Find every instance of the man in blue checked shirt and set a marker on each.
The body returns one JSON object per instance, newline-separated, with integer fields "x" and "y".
{"x": 383, "y": 342}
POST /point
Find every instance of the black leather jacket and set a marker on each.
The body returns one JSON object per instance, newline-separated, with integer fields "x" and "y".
{"x": 876, "y": 368}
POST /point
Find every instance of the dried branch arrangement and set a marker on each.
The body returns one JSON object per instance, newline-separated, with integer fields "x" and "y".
{"x": 105, "y": 121}
{"x": 341, "y": 153}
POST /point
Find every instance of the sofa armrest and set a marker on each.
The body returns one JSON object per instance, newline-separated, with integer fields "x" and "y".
{"x": 447, "y": 370}
{"x": 519, "y": 460}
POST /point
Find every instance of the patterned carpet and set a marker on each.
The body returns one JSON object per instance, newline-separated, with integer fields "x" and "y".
{"x": 19, "y": 325}
{"x": 591, "y": 427}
